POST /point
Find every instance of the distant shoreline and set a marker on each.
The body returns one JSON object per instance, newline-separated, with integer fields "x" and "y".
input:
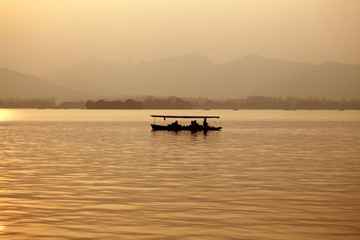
{"x": 252, "y": 102}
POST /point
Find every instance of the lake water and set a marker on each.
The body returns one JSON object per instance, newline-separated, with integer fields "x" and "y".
{"x": 103, "y": 174}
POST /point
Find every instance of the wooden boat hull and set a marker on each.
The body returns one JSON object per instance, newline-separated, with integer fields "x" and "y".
{"x": 156, "y": 127}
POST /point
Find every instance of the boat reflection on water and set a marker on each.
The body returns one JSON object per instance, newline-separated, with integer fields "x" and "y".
{"x": 193, "y": 127}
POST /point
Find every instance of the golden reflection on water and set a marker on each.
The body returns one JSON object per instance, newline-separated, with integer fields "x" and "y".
{"x": 256, "y": 179}
{"x": 6, "y": 115}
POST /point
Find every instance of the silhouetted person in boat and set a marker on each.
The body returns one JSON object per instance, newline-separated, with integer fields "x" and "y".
{"x": 205, "y": 124}
{"x": 176, "y": 126}
{"x": 194, "y": 126}
{"x": 194, "y": 123}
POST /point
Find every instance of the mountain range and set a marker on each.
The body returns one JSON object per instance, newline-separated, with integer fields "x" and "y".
{"x": 192, "y": 76}
{"x": 15, "y": 84}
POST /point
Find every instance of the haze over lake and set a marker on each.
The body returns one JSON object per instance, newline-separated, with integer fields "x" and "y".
{"x": 71, "y": 170}
{"x": 103, "y": 174}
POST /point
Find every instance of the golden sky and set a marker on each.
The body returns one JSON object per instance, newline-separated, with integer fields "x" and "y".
{"x": 40, "y": 36}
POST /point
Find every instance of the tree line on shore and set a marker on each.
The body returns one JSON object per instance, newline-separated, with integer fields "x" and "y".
{"x": 252, "y": 102}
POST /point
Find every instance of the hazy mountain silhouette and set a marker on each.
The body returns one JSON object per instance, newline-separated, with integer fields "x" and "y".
{"x": 15, "y": 84}
{"x": 196, "y": 76}
{"x": 170, "y": 76}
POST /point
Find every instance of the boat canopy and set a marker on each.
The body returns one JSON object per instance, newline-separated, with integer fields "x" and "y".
{"x": 170, "y": 116}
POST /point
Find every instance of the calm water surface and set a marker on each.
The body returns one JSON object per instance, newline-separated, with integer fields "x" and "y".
{"x": 88, "y": 174}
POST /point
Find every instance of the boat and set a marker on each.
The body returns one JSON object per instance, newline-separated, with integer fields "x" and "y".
{"x": 193, "y": 127}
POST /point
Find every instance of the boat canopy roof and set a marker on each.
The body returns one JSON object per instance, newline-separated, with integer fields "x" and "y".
{"x": 170, "y": 116}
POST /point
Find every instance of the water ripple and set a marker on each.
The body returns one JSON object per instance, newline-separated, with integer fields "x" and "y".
{"x": 118, "y": 180}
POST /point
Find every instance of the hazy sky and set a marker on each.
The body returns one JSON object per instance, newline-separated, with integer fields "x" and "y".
{"x": 40, "y": 36}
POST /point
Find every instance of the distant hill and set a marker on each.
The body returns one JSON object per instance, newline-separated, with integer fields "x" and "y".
{"x": 14, "y": 84}
{"x": 196, "y": 76}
